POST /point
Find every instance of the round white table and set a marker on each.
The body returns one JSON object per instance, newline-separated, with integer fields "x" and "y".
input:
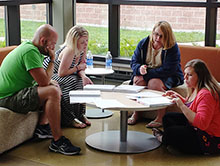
{"x": 124, "y": 141}
{"x": 99, "y": 72}
{"x": 95, "y": 113}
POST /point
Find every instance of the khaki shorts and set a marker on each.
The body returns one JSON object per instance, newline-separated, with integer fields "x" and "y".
{"x": 24, "y": 101}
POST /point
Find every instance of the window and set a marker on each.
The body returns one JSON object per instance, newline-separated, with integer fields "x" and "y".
{"x": 137, "y": 23}
{"x": 94, "y": 17}
{"x": 2, "y": 27}
{"x": 32, "y": 16}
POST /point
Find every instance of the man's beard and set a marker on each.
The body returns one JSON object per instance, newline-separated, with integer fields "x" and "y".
{"x": 43, "y": 50}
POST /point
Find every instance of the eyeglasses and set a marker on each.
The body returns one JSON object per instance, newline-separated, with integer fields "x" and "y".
{"x": 157, "y": 34}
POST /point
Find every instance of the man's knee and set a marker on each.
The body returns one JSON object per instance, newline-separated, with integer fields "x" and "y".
{"x": 54, "y": 91}
{"x": 49, "y": 92}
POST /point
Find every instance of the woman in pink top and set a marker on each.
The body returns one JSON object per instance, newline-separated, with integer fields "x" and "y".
{"x": 197, "y": 129}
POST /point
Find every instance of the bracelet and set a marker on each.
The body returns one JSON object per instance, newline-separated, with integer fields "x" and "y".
{"x": 51, "y": 61}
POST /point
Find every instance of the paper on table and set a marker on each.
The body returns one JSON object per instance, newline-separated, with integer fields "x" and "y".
{"x": 108, "y": 103}
{"x": 128, "y": 88}
{"x": 99, "y": 87}
{"x": 82, "y": 99}
{"x": 85, "y": 93}
{"x": 143, "y": 95}
{"x": 155, "y": 101}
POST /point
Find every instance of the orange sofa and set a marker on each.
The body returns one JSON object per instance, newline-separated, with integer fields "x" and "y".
{"x": 14, "y": 128}
{"x": 4, "y": 51}
{"x": 210, "y": 55}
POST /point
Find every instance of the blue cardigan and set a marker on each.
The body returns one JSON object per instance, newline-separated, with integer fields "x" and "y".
{"x": 169, "y": 72}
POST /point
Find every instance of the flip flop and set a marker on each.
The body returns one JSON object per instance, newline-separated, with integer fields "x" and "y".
{"x": 158, "y": 134}
{"x": 157, "y": 131}
{"x": 85, "y": 120}
{"x": 154, "y": 124}
{"x": 78, "y": 124}
{"x": 132, "y": 121}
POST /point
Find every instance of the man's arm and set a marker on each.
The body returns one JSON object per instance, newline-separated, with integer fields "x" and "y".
{"x": 41, "y": 76}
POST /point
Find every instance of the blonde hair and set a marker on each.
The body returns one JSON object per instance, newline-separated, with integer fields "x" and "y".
{"x": 169, "y": 39}
{"x": 73, "y": 35}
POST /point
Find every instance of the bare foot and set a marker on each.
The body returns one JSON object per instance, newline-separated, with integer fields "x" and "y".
{"x": 133, "y": 119}
{"x": 85, "y": 120}
{"x": 78, "y": 124}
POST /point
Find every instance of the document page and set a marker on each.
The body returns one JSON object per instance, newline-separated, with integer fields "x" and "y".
{"x": 155, "y": 101}
{"x": 143, "y": 95}
{"x": 128, "y": 88}
{"x": 85, "y": 93}
{"x": 82, "y": 99}
{"x": 108, "y": 103}
{"x": 107, "y": 88}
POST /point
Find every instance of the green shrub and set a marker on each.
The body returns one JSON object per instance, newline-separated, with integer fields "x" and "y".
{"x": 2, "y": 44}
{"x": 98, "y": 37}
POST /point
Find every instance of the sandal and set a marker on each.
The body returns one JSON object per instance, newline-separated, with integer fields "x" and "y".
{"x": 132, "y": 120}
{"x": 78, "y": 124}
{"x": 158, "y": 134}
{"x": 84, "y": 119}
{"x": 154, "y": 124}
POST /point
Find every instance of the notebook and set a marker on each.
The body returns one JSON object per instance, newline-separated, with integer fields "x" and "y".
{"x": 129, "y": 88}
{"x": 107, "y": 88}
{"x": 85, "y": 93}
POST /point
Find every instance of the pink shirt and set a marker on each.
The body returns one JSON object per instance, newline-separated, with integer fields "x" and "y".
{"x": 207, "y": 111}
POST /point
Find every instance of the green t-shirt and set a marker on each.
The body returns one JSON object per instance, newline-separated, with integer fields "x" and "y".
{"x": 14, "y": 70}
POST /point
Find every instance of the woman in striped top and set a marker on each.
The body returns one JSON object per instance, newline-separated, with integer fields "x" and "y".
{"x": 69, "y": 72}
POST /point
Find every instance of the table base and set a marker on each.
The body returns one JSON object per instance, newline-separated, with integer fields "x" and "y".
{"x": 98, "y": 113}
{"x": 109, "y": 141}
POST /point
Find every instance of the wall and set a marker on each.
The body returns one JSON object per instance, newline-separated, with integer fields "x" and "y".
{"x": 132, "y": 17}
{"x": 30, "y": 12}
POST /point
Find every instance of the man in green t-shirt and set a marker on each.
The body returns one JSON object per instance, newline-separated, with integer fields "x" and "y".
{"x": 25, "y": 86}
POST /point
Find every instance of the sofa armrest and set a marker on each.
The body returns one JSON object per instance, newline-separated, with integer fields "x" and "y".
{"x": 4, "y": 51}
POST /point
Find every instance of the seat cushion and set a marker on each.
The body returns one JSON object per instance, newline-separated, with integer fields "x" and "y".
{"x": 15, "y": 128}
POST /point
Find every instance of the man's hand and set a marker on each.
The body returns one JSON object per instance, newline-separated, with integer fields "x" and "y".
{"x": 51, "y": 52}
{"x": 55, "y": 83}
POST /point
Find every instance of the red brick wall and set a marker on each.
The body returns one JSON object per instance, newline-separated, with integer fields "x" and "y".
{"x": 132, "y": 17}
{"x": 144, "y": 17}
{"x": 36, "y": 12}
{"x": 33, "y": 12}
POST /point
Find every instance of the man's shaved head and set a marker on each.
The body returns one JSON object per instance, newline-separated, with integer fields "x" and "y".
{"x": 45, "y": 30}
{"x": 45, "y": 37}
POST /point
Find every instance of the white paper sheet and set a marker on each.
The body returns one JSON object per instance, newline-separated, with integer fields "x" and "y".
{"x": 155, "y": 101}
{"x": 128, "y": 88}
{"x": 100, "y": 87}
{"x": 108, "y": 103}
{"x": 85, "y": 93}
{"x": 143, "y": 95}
{"x": 82, "y": 99}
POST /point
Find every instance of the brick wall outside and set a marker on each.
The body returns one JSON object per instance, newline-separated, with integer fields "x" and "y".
{"x": 36, "y": 12}
{"x": 144, "y": 17}
{"x": 132, "y": 17}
